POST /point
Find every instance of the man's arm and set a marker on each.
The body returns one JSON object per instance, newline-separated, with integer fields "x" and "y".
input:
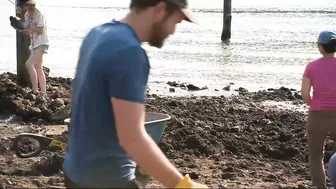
{"x": 128, "y": 75}
{"x": 305, "y": 90}
{"x": 130, "y": 121}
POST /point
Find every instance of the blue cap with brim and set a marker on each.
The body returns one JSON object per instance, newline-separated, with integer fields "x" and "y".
{"x": 325, "y": 37}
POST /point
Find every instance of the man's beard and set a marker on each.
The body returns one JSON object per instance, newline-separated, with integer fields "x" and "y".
{"x": 159, "y": 35}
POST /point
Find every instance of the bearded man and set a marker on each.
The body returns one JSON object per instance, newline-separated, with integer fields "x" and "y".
{"x": 108, "y": 137}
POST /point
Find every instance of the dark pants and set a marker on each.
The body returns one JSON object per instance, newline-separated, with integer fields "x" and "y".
{"x": 320, "y": 125}
{"x": 70, "y": 184}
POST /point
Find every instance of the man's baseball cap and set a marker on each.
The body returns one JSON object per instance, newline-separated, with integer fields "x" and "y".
{"x": 325, "y": 37}
{"x": 183, "y": 5}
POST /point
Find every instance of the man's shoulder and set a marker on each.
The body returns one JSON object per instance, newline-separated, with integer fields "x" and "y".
{"x": 116, "y": 38}
{"x": 114, "y": 43}
{"x": 117, "y": 34}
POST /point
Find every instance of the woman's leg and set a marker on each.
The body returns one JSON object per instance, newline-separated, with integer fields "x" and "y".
{"x": 39, "y": 69}
{"x": 316, "y": 137}
{"x": 30, "y": 65}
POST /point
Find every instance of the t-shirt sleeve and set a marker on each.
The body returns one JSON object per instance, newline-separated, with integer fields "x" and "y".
{"x": 128, "y": 74}
{"x": 306, "y": 72}
{"x": 40, "y": 21}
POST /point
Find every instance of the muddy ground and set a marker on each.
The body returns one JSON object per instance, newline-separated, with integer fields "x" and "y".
{"x": 252, "y": 140}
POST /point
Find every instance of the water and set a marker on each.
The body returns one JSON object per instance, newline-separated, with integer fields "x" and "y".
{"x": 271, "y": 43}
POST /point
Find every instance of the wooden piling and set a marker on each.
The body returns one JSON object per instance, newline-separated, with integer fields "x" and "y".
{"x": 227, "y": 17}
{"x": 22, "y": 51}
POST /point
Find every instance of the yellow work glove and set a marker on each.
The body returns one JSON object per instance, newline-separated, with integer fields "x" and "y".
{"x": 186, "y": 182}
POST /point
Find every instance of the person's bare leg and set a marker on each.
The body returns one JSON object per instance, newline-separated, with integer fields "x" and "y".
{"x": 30, "y": 65}
{"x": 39, "y": 70}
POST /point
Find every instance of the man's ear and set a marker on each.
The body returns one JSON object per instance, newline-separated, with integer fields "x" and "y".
{"x": 159, "y": 11}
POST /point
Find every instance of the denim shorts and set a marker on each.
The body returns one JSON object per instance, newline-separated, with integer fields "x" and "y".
{"x": 42, "y": 48}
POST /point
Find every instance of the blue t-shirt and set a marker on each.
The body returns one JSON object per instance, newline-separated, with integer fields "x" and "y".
{"x": 111, "y": 63}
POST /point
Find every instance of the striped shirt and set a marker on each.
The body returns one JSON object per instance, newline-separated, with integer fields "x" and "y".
{"x": 37, "y": 20}
{"x": 322, "y": 73}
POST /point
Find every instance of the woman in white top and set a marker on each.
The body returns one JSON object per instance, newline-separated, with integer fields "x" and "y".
{"x": 39, "y": 44}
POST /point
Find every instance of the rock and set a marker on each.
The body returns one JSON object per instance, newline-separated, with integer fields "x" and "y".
{"x": 16, "y": 105}
{"x": 58, "y": 102}
{"x": 227, "y": 88}
{"x": 301, "y": 186}
{"x": 46, "y": 71}
{"x": 52, "y": 181}
{"x": 227, "y": 176}
{"x": 192, "y": 87}
{"x": 40, "y": 122}
{"x": 285, "y": 89}
{"x": 194, "y": 175}
{"x": 31, "y": 96}
{"x": 172, "y": 90}
{"x": 284, "y": 137}
{"x": 34, "y": 110}
{"x": 173, "y": 84}
{"x": 37, "y": 182}
{"x": 228, "y": 169}
{"x": 46, "y": 113}
{"x": 241, "y": 89}
{"x": 41, "y": 100}
{"x": 61, "y": 114}
{"x": 10, "y": 83}
{"x": 296, "y": 95}
{"x": 26, "y": 102}
{"x": 3, "y": 90}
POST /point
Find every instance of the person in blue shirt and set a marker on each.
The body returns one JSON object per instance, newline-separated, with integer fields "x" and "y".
{"x": 107, "y": 137}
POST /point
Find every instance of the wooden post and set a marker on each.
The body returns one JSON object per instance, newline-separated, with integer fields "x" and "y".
{"x": 22, "y": 51}
{"x": 227, "y": 17}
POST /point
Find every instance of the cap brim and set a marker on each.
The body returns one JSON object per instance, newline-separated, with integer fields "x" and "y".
{"x": 189, "y": 16}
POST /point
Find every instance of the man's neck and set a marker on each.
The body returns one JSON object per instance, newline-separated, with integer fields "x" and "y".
{"x": 141, "y": 27}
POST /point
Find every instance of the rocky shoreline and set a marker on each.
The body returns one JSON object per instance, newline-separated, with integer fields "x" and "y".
{"x": 42, "y": 109}
{"x": 236, "y": 141}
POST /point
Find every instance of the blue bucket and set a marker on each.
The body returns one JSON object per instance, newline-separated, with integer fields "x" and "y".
{"x": 155, "y": 124}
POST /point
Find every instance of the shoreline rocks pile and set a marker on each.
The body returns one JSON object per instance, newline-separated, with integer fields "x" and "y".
{"x": 30, "y": 107}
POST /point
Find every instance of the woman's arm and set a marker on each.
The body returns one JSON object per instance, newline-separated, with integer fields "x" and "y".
{"x": 305, "y": 90}
{"x": 38, "y": 30}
